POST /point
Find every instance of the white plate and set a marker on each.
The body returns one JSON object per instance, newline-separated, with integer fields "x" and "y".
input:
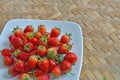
{"x": 65, "y": 26}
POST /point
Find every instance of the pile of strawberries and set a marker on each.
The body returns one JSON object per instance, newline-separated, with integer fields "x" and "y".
{"x": 38, "y": 53}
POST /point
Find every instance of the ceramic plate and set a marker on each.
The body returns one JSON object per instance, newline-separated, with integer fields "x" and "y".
{"x": 65, "y": 26}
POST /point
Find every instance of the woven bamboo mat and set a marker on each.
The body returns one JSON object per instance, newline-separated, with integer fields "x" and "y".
{"x": 100, "y": 22}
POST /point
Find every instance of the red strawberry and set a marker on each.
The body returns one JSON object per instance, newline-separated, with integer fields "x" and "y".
{"x": 55, "y": 32}
{"x": 28, "y": 28}
{"x": 37, "y": 72}
{"x": 42, "y": 77}
{"x": 43, "y": 64}
{"x": 56, "y": 71}
{"x": 16, "y": 42}
{"x": 8, "y": 61}
{"x": 71, "y": 57}
{"x": 64, "y": 48}
{"x": 52, "y": 63}
{"x": 53, "y": 41}
{"x": 65, "y": 66}
{"x": 16, "y": 52}
{"x": 42, "y": 43}
{"x": 11, "y": 37}
{"x": 41, "y": 50}
{"x": 37, "y": 35}
{"x": 23, "y": 55}
{"x": 28, "y": 47}
{"x": 24, "y": 76}
{"x": 12, "y": 71}
{"x": 6, "y": 52}
{"x": 13, "y": 48}
{"x": 29, "y": 35}
{"x": 26, "y": 68}
{"x": 42, "y": 29}
{"x": 32, "y": 61}
{"x": 19, "y": 66}
{"x": 24, "y": 41}
{"x": 52, "y": 52}
{"x": 34, "y": 41}
{"x": 18, "y": 32}
{"x": 65, "y": 38}
{"x": 34, "y": 52}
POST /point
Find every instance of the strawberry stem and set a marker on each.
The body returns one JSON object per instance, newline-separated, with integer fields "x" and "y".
{"x": 68, "y": 34}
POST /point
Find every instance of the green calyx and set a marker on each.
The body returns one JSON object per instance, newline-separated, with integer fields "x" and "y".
{"x": 41, "y": 25}
{"x": 27, "y": 47}
{"x": 59, "y": 58}
{"x": 26, "y": 77}
{"x": 16, "y": 52}
{"x": 40, "y": 47}
{"x": 68, "y": 34}
{"x": 34, "y": 56}
{"x": 51, "y": 55}
{"x": 30, "y": 35}
{"x": 15, "y": 28}
{"x": 68, "y": 46}
{"x": 42, "y": 59}
{"x": 44, "y": 38}
{"x": 58, "y": 28}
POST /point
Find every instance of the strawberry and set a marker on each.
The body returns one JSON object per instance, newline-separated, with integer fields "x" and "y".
{"x": 52, "y": 63}
{"x": 55, "y": 32}
{"x": 42, "y": 29}
{"x": 56, "y": 71}
{"x": 44, "y": 38}
{"x": 19, "y": 66}
{"x": 71, "y": 57}
{"x": 59, "y": 58}
{"x": 11, "y": 37}
{"x": 37, "y": 35}
{"x": 32, "y": 61}
{"x": 23, "y": 55}
{"x": 24, "y": 41}
{"x": 34, "y": 41}
{"x": 65, "y": 38}
{"x": 18, "y": 32}
{"x": 16, "y": 41}
{"x": 24, "y": 76}
{"x": 12, "y": 71}
{"x": 28, "y": 28}
{"x": 8, "y": 61}
{"x": 34, "y": 52}
{"x": 28, "y": 47}
{"x": 37, "y": 72}
{"x": 52, "y": 52}
{"x": 65, "y": 66}
{"x": 29, "y": 35}
{"x": 42, "y": 77}
{"x": 26, "y": 68}
{"x": 6, "y": 52}
{"x": 64, "y": 48}
{"x": 43, "y": 43}
{"x": 41, "y": 50}
{"x": 16, "y": 52}
{"x": 43, "y": 64}
{"x": 53, "y": 41}
{"x": 47, "y": 34}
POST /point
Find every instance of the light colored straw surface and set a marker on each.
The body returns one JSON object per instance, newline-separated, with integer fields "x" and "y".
{"x": 100, "y": 22}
